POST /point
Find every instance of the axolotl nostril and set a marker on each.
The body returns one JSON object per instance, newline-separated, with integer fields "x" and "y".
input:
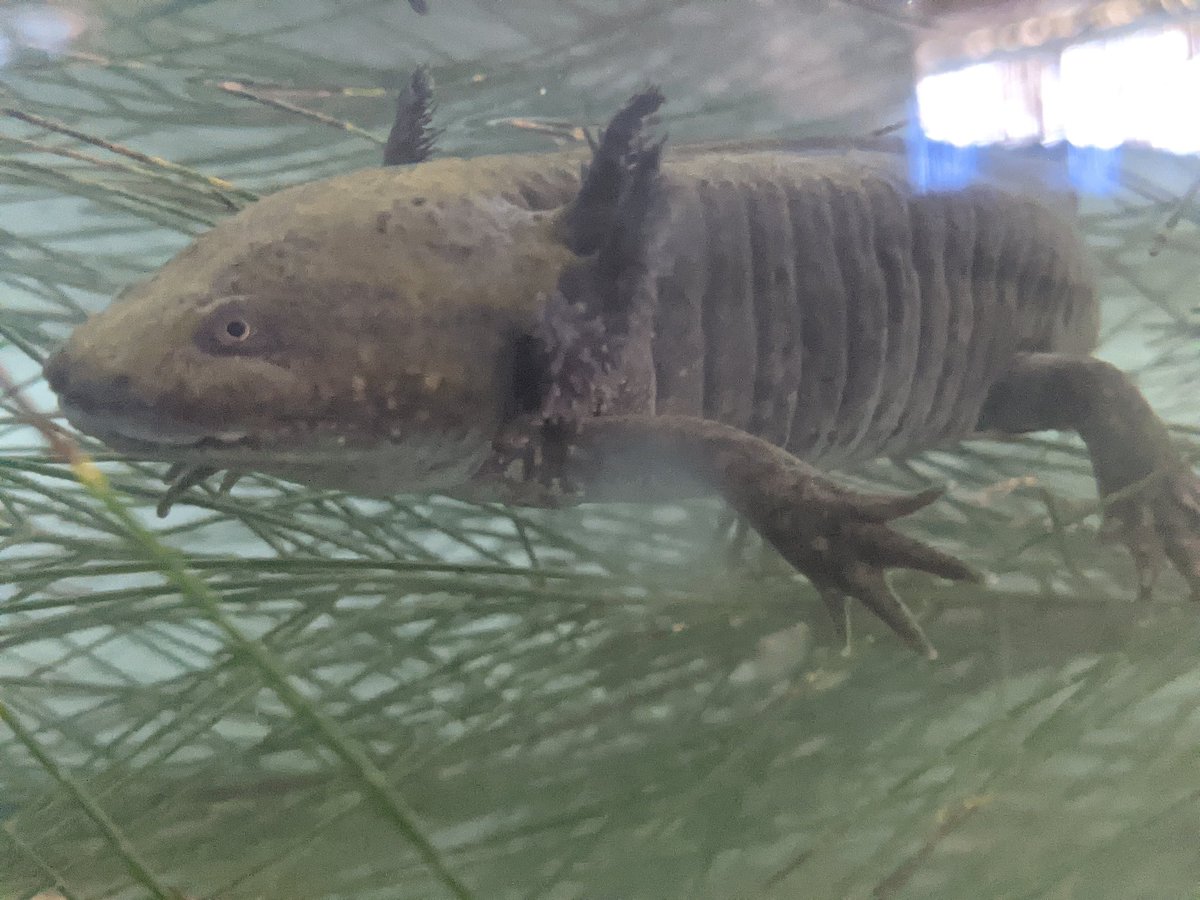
{"x": 638, "y": 323}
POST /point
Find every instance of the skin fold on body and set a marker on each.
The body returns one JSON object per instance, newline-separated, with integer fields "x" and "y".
{"x": 635, "y": 324}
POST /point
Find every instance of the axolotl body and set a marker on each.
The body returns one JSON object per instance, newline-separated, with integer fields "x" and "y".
{"x": 638, "y": 324}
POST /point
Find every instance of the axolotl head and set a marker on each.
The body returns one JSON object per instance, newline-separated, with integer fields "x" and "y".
{"x": 356, "y": 332}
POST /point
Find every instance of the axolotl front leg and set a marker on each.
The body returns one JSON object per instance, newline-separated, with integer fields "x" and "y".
{"x": 840, "y": 539}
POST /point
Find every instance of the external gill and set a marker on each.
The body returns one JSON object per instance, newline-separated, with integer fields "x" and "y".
{"x": 413, "y": 136}
{"x": 603, "y": 306}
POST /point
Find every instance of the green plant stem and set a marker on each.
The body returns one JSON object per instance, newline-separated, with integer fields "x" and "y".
{"x": 121, "y": 845}
{"x": 224, "y": 190}
{"x": 372, "y": 779}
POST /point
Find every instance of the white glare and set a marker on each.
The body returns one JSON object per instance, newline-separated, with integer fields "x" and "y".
{"x": 1141, "y": 88}
{"x": 43, "y": 28}
{"x": 960, "y": 107}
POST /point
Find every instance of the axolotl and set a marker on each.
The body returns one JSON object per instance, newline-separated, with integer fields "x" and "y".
{"x": 633, "y": 323}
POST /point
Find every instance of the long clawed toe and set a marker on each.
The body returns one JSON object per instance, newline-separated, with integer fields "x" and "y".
{"x": 841, "y": 541}
{"x": 1159, "y": 522}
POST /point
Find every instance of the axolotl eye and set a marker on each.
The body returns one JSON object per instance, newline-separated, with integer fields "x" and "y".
{"x": 234, "y": 328}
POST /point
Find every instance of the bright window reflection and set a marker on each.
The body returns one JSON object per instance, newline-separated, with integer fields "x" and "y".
{"x": 1140, "y": 88}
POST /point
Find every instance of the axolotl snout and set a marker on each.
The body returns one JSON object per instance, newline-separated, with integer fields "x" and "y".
{"x": 633, "y": 324}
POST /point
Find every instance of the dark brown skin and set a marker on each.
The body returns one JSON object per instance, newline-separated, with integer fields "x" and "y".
{"x": 502, "y": 328}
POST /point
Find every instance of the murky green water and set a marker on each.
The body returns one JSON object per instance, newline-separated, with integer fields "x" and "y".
{"x": 625, "y": 714}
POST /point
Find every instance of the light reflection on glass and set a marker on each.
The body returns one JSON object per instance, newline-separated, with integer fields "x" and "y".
{"x": 46, "y": 29}
{"x": 1139, "y": 88}
{"x": 1097, "y": 96}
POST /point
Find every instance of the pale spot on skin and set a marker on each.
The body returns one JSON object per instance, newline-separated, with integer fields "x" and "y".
{"x": 359, "y": 385}
{"x": 433, "y": 382}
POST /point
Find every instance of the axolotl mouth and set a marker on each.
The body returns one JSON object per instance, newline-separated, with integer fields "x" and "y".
{"x": 322, "y": 452}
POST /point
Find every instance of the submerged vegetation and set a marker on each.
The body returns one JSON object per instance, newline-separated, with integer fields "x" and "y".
{"x": 284, "y": 692}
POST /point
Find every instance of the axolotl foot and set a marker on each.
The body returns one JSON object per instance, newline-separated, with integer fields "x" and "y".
{"x": 527, "y": 467}
{"x": 843, "y": 542}
{"x": 1158, "y": 519}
